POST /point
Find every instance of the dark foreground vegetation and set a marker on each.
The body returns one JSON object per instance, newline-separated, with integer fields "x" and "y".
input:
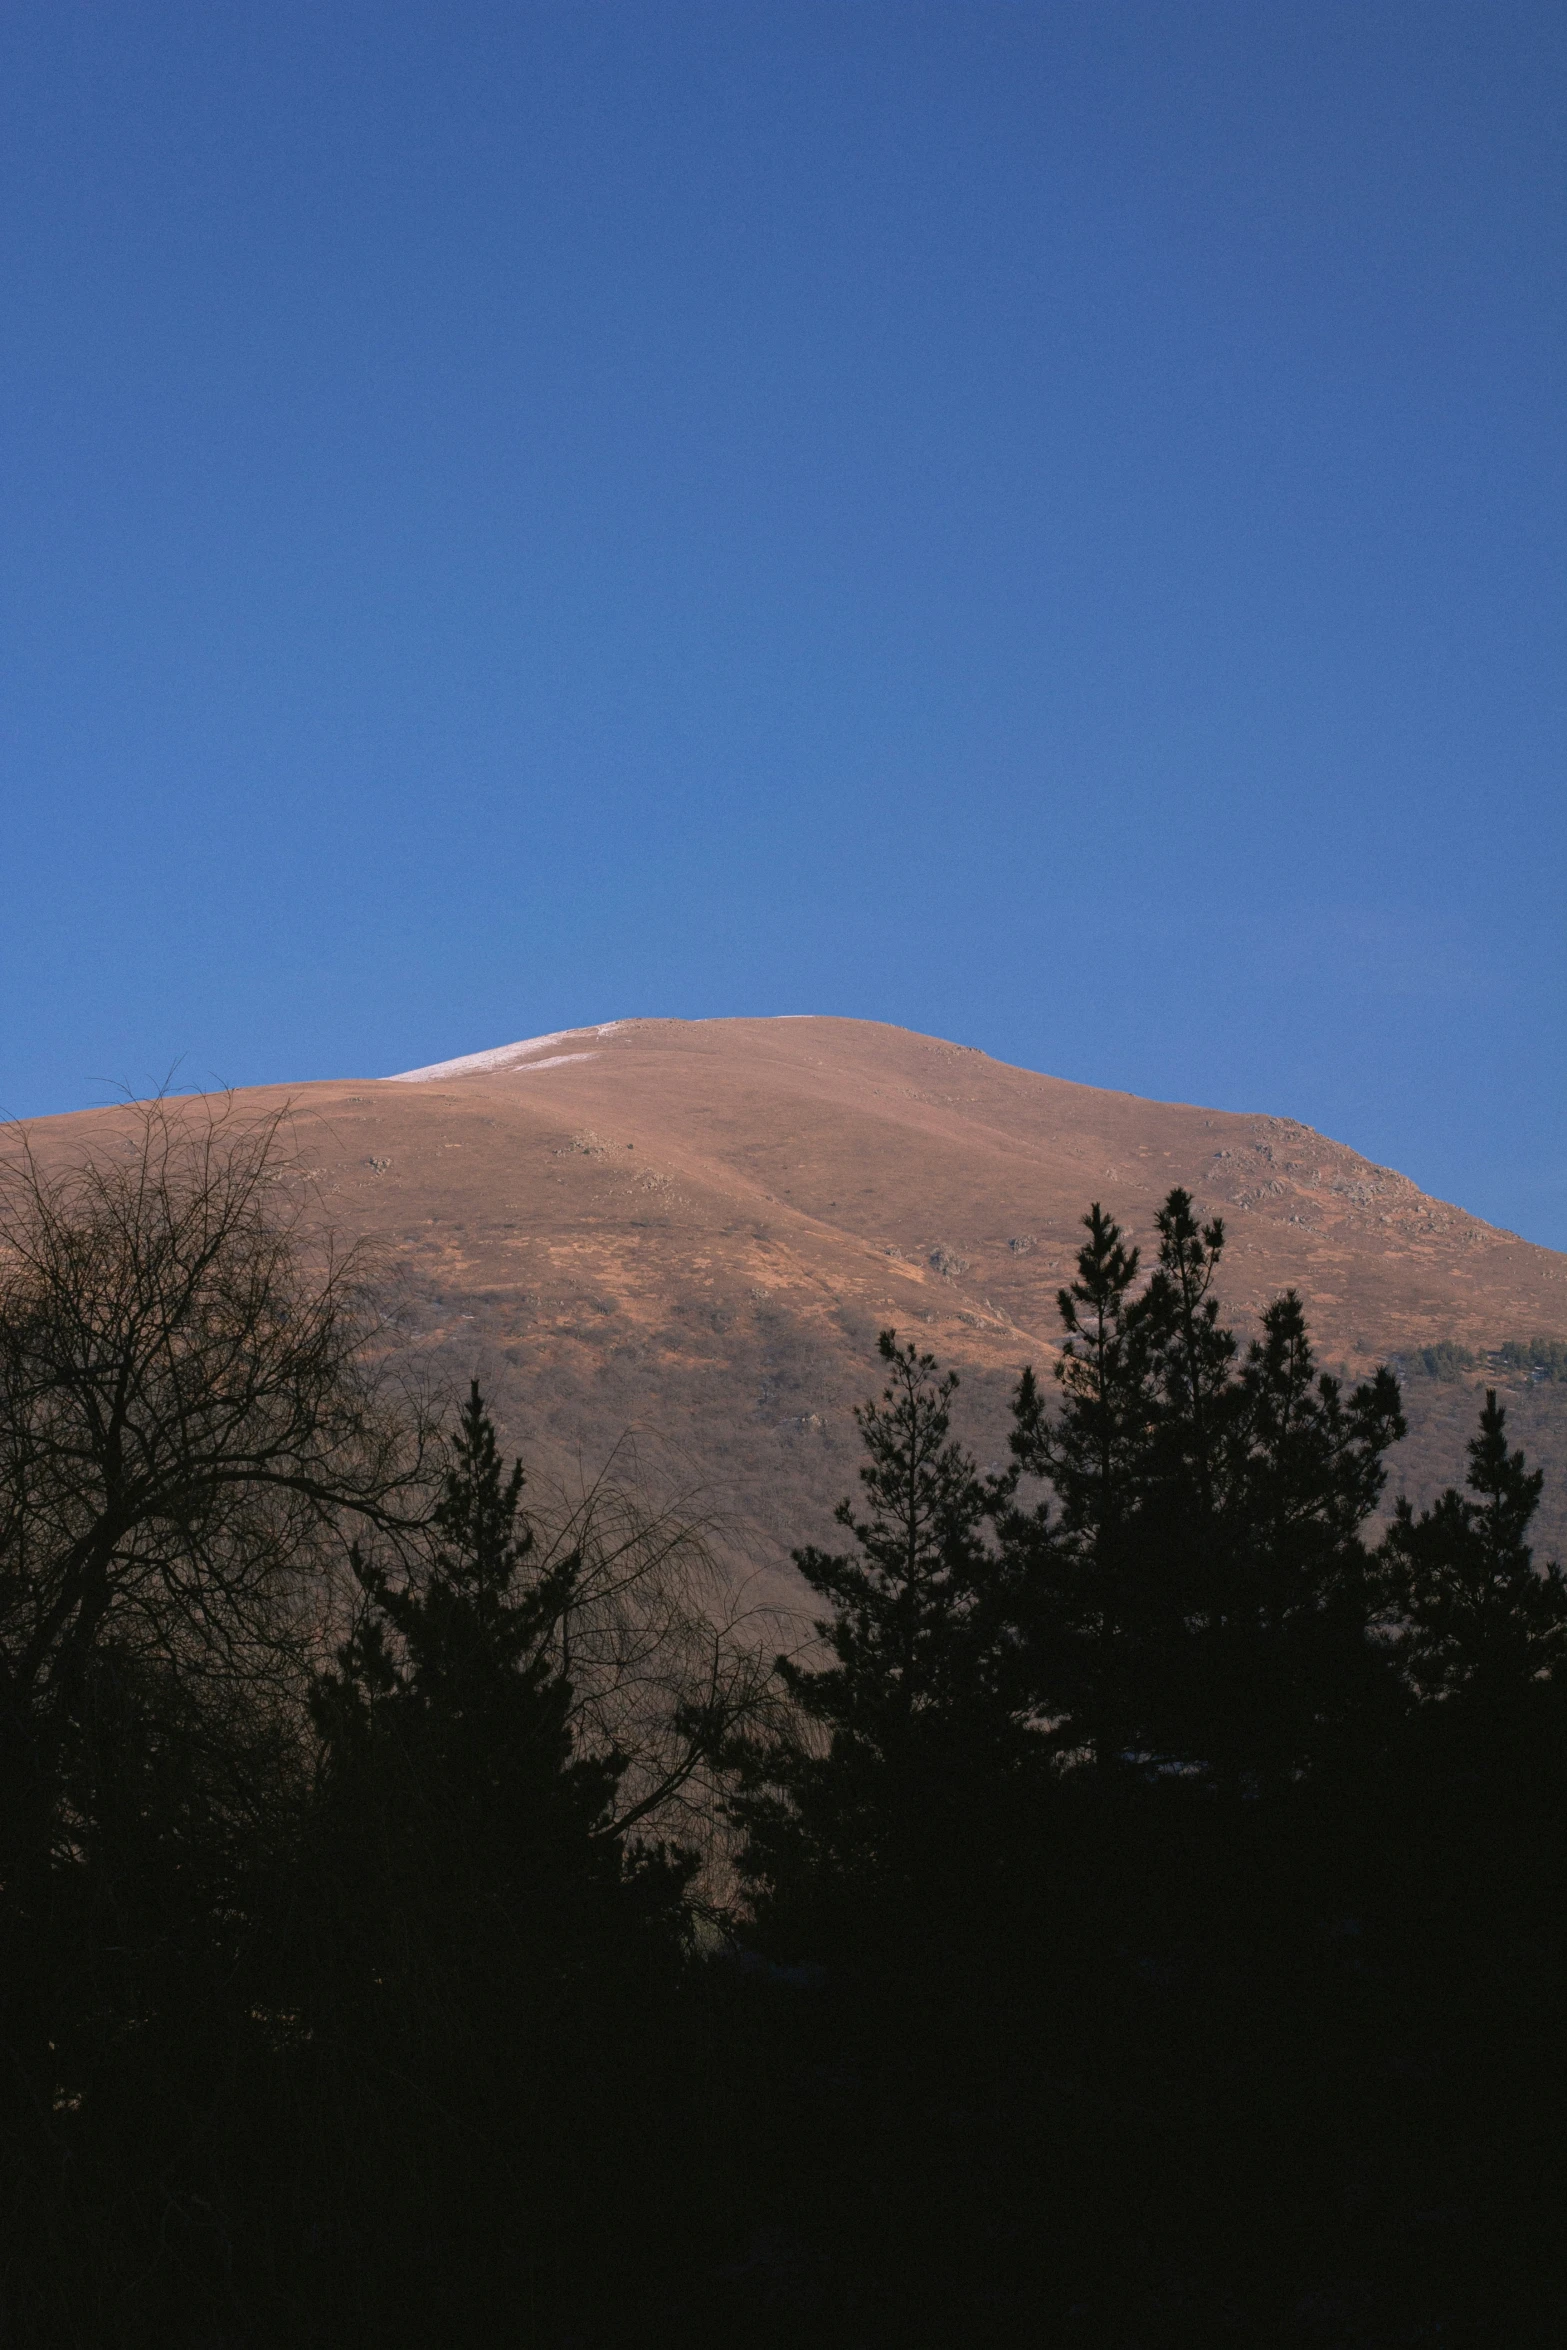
{"x": 1139, "y": 1918}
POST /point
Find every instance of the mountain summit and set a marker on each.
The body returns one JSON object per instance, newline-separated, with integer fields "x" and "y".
{"x": 695, "y": 1229}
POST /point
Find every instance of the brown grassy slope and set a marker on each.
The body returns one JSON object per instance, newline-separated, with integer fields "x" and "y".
{"x": 696, "y": 1229}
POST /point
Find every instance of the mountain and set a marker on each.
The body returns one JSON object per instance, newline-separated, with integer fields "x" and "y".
{"x": 694, "y": 1229}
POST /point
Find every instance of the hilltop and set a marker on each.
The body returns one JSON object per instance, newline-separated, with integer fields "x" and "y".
{"x": 694, "y": 1229}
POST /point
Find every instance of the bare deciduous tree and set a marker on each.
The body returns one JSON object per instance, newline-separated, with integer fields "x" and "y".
{"x": 192, "y": 1421}
{"x": 666, "y": 1657}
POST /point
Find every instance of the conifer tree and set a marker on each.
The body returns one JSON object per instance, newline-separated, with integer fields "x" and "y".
{"x": 1205, "y": 1598}
{"x": 480, "y": 1957}
{"x": 923, "y": 1714}
{"x": 1187, "y": 1416}
{"x": 1095, "y": 1456}
{"x": 1483, "y": 1622}
{"x": 1279, "y": 1603}
{"x": 1192, "y": 1353}
{"x": 1087, "y": 1562}
{"x": 470, "y": 1841}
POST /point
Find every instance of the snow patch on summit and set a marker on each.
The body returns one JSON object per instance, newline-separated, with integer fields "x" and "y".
{"x": 521, "y": 1057}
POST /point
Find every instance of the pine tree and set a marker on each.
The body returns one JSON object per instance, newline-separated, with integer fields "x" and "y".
{"x": 484, "y": 1971}
{"x": 1482, "y": 1622}
{"x": 1087, "y": 1563}
{"x": 1192, "y": 1353}
{"x": 1204, "y": 1593}
{"x": 1186, "y": 1426}
{"x": 478, "y": 1846}
{"x": 1279, "y": 1602}
{"x": 922, "y": 1719}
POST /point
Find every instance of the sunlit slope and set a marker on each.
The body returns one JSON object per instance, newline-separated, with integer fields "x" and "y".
{"x": 696, "y": 1228}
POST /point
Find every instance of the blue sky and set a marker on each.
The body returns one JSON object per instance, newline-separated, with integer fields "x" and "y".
{"x": 1039, "y": 523}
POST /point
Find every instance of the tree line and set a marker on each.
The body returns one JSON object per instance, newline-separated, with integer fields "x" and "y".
{"x": 1136, "y": 1917}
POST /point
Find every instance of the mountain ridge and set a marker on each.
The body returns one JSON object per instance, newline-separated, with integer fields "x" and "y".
{"x": 694, "y": 1229}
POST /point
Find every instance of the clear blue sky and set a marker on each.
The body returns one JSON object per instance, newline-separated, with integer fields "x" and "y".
{"x": 1043, "y": 523}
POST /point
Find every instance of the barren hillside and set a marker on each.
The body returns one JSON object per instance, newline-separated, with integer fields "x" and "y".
{"x": 695, "y": 1229}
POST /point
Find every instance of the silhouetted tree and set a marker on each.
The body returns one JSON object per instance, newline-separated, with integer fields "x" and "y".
{"x": 1206, "y": 1598}
{"x": 480, "y": 1955}
{"x": 477, "y": 1846}
{"x": 1087, "y": 1563}
{"x": 1481, "y": 1622}
{"x": 1279, "y": 1599}
{"x": 190, "y": 1425}
{"x": 910, "y": 1735}
{"x": 1192, "y": 1356}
